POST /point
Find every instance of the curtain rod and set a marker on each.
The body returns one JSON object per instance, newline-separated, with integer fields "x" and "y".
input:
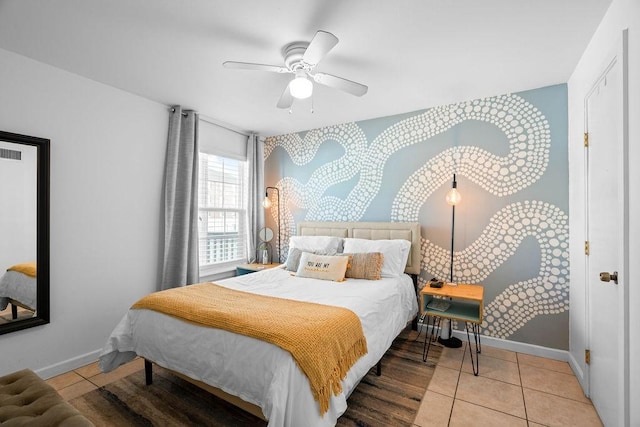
{"x": 215, "y": 122}
{"x": 223, "y": 125}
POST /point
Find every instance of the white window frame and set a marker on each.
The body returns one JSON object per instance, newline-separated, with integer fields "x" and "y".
{"x": 226, "y": 266}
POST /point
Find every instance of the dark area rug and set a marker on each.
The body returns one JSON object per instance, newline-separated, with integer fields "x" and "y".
{"x": 391, "y": 399}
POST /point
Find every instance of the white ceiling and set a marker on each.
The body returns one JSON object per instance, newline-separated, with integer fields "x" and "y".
{"x": 413, "y": 54}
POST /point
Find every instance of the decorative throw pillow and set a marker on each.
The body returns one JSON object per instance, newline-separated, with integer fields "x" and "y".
{"x": 395, "y": 252}
{"x": 365, "y": 266}
{"x": 323, "y": 267}
{"x": 293, "y": 259}
{"x": 322, "y": 245}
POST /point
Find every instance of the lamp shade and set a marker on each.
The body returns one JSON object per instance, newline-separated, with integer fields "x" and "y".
{"x": 301, "y": 87}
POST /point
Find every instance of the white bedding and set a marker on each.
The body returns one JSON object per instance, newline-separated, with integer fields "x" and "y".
{"x": 256, "y": 371}
{"x": 18, "y": 286}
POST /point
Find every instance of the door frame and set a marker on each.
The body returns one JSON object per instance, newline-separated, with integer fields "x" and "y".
{"x": 620, "y": 55}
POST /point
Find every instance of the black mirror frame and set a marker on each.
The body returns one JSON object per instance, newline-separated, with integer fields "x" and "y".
{"x": 43, "y": 232}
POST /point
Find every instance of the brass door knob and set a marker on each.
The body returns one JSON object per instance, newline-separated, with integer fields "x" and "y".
{"x": 608, "y": 277}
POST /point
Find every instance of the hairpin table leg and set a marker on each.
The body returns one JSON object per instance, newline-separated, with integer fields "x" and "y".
{"x": 476, "y": 332}
{"x": 474, "y": 364}
{"x": 430, "y": 336}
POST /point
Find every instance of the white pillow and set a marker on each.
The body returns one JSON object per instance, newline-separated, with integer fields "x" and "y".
{"x": 328, "y": 245}
{"x": 395, "y": 253}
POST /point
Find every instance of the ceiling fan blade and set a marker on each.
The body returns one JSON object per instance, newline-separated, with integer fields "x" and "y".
{"x": 321, "y": 44}
{"x": 349, "y": 86}
{"x": 286, "y": 99}
{"x": 252, "y": 66}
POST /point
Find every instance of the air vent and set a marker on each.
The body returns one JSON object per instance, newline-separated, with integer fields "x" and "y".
{"x": 10, "y": 154}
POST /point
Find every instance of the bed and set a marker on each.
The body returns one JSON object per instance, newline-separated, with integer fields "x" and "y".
{"x": 18, "y": 287}
{"x": 258, "y": 376}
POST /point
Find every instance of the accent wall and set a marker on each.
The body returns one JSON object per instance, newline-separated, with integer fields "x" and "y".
{"x": 509, "y": 156}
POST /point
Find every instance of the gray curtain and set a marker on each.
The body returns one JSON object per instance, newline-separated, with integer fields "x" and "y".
{"x": 181, "y": 265}
{"x": 255, "y": 212}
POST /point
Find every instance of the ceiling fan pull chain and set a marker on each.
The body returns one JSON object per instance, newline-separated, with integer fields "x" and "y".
{"x": 311, "y": 104}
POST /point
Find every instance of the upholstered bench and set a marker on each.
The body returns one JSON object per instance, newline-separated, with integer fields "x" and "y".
{"x": 25, "y": 399}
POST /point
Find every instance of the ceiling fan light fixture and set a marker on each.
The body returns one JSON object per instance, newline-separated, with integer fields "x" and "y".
{"x": 301, "y": 87}
{"x": 300, "y": 59}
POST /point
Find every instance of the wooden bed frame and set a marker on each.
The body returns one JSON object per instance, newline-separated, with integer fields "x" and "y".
{"x": 362, "y": 230}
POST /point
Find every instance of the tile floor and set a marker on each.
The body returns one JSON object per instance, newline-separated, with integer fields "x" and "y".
{"x": 512, "y": 389}
{"x": 87, "y": 378}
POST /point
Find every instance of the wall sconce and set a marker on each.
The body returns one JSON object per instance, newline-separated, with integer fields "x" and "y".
{"x": 267, "y": 204}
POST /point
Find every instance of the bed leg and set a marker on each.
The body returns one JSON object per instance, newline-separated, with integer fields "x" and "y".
{"x": 148, "y": 372}
{"x": 14, "y": 311}
{"x": 379, "y": 368}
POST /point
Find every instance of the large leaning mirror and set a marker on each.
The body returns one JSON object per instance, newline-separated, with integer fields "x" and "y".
{"x": 24, "y": 232}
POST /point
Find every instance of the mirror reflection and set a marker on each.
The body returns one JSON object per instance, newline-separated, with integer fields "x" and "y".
{"x": 263, "y": 251}
{"x": 23, "y": 231}
{"x": 265, "y": 234}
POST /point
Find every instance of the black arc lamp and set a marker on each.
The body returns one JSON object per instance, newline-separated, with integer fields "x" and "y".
{"x": 453, "y": 198}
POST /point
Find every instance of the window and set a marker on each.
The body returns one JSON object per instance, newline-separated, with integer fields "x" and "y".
{"x": 222, "y": 212}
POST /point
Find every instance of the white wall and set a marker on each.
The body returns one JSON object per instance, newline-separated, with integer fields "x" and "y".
{"x": 107, "y": 161}
{"x": 622, "y": 14}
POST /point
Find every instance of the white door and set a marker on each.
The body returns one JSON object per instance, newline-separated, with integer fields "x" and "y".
{"x": 606, "y": 236}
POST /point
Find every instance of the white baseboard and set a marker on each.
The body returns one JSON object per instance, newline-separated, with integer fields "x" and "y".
{"x": 519, "y": 347}
{"x": 68, "y": 365}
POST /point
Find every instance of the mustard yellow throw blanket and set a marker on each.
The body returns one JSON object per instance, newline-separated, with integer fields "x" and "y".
{"x": 28, "y": 268}
{"x": 325, "y": 341}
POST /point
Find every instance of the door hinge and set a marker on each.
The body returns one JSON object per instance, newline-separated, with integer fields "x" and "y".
{"x": 586, "y": 247}
{"x": 586, "y": 139}
{"x": 587, "y": 357}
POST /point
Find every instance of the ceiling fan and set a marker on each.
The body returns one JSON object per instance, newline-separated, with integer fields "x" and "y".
{"x": 300, "y": 58}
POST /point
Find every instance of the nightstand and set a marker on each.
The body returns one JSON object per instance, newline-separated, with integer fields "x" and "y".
{"x": 462, "y": 302}
{"x": 253, "y": 267}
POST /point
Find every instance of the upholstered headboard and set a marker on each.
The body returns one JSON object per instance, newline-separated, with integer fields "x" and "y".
{"x": 370, "y": 230}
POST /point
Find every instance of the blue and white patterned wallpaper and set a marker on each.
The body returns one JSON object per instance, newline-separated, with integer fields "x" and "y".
{"x": 509, "y": 154}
